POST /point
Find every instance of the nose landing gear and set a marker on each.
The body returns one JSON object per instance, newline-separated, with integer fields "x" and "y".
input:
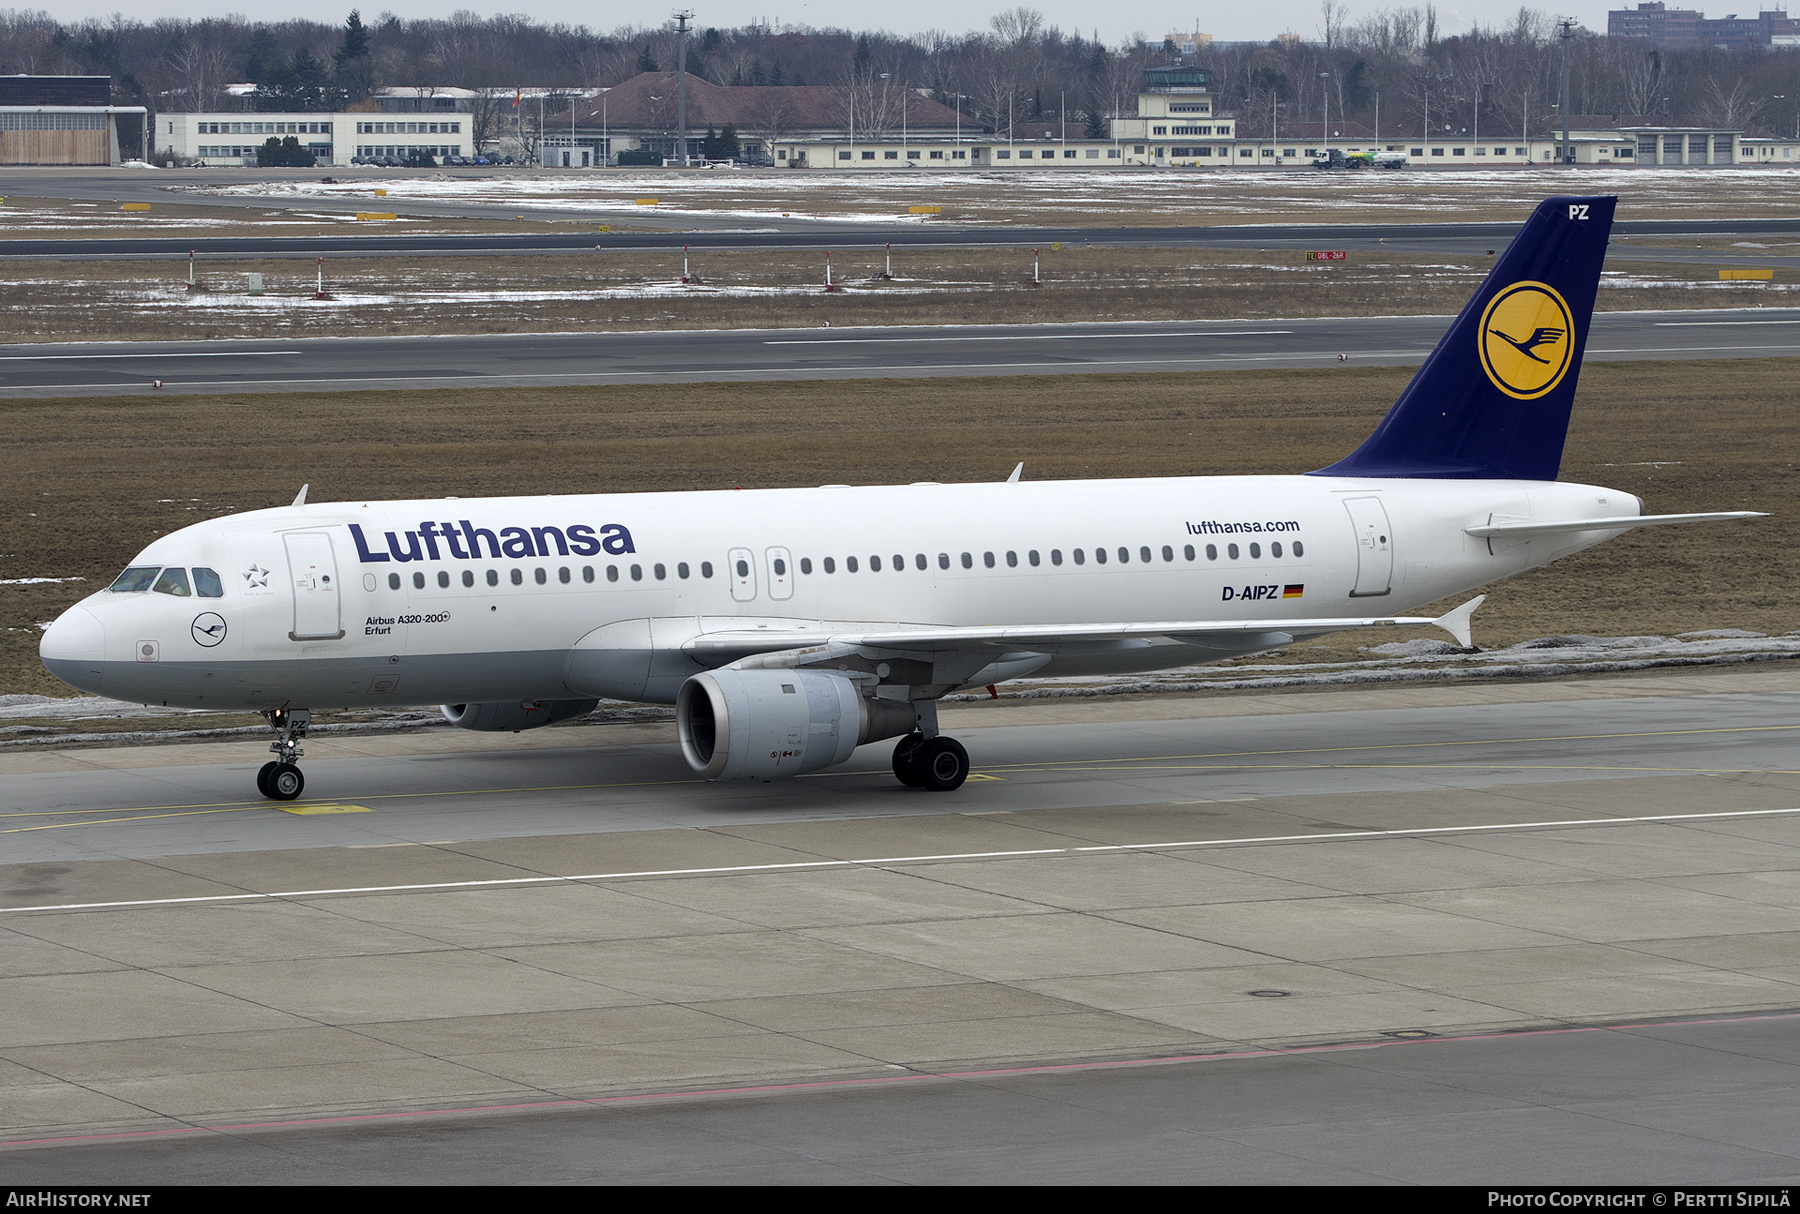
{"x": 280, "y": 780}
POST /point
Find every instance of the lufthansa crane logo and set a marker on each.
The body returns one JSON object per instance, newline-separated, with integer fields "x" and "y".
{"x": 1526, "y": 340}
{"x": 208, "y": 628}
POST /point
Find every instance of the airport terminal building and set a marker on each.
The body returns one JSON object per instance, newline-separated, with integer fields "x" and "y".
{"x": 334, "y": 139}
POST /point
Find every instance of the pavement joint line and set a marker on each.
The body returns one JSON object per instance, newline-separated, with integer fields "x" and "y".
{"x": 912, "y": 1075}
{"x": 44, "y": 358}
{"x": 735, "y": 869}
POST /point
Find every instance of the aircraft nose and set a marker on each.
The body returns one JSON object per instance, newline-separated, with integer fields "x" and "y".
{"x": 74, "y": 648}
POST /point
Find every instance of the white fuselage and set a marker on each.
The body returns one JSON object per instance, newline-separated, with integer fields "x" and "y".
{"x": 327, "y": 605}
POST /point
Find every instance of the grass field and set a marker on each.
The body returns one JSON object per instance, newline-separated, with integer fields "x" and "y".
{"x": 580, "y": 291}
{"x": 89, "y": 482}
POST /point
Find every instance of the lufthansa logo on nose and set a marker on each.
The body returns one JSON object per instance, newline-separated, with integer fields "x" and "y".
{"x": 209, "y": 628}
{"x": 1527, "y": 340}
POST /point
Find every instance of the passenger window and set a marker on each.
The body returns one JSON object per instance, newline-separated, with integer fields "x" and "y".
{"x": 1012, "y": 560}
{"x": 539, "y": 576}
{"x": 1231, "y": 551}
{"x": 899, "y": 562}
{"x": 207, "y": 584}
{"x": 562, "y": 575}
{"x": 780, "y": 568}
{"x": 987, "y": 558}
{"x": 849, "y": 564}
{"x": 968, "y": 561}
{"x": 1188, "y": 552}
{"x": 874, "y": 564}
{"x": 393, "y": 581}
{"x": 418, "y": 581}
{"x": 920, "y": 561}
{"x": 1032, "y": 556}
{"x": 135, "y": 580}
{"x": 943, "y": 560}
{"x": 1299, "y": 549}
{"x": 1099, "y": 557}
{"x": 1079, "y": 558}
{"x": 612, "y": 573}
{"x": 637, "y": 573}
{"x": 1275, "y": 549}
{"x": 587, "y": 572}
{"x": 681, "y": 571}
{"x": 662, "y": 571}
{"x": 805, "y": 565}
{"x": 1212, "y": 552}
{"x": 518, "y": 577}
{"x": 743, "y": 568}
{"x": 468, "y": 577}
{"x": 443, "y": 579}
{"x": 172, "y": 581}
{"x": 1056, "y": 556}
{"x": 1124, "y": 556}
{"x": 705, "y": 568}
{"x": 493, "y": 577}
{"x": 830, "y": 565}
{"x": 1256, "y": 552}
{"x": 1144, "y": 555}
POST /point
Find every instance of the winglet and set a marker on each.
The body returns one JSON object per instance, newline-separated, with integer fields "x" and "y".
{"x": 1014, "y": 478}
{"x": 1456, "y": 622}
{"x": 300, "y": 497}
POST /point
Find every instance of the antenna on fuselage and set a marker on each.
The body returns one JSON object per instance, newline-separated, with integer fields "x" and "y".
{"x": 300, "y": 497}
{"x": 1014, "y": 478}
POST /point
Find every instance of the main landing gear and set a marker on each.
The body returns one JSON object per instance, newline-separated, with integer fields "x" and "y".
{"x": 280, "y": 779}
{"x": 936, "y": 763}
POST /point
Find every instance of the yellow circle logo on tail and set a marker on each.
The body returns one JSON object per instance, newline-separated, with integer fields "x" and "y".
{"x": 1527, "y": 340}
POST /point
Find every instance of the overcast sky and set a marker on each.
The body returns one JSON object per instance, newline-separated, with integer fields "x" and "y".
{"x": 1115, "y": 20}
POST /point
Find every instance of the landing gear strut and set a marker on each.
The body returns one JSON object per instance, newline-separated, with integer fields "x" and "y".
{"x": 280, "y": 780}
{"x": 936, "y": 763}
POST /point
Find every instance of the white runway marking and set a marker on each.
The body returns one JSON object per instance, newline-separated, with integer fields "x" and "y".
{"x": 851, "y": 341}
{"x": 742, "y": 869}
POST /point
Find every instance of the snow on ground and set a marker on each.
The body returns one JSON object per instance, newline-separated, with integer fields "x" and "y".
{"x": 834, "y": 197}
{"x": 34, "y": 720}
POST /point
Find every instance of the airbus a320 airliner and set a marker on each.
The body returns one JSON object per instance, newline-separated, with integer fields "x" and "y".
{"x": 790, "y": 626}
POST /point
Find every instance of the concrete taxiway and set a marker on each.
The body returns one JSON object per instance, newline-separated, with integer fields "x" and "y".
{"x": 903, "y": 352}
{"x": 565, "y": 933}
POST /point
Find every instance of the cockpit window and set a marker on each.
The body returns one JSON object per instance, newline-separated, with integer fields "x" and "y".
{"x": 208, "y": 585}
{"x": 172, "y": 581}
{"x": 135, "y": 580}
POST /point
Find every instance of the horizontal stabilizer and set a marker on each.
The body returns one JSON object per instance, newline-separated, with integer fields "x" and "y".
{"x": 1525, "y": 529}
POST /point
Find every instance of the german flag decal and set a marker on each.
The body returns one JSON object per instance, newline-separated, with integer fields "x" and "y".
{"x": 1293, "y": 592}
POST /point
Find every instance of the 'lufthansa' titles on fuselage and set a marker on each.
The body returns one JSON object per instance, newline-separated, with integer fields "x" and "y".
{"x": 464, "y": 541}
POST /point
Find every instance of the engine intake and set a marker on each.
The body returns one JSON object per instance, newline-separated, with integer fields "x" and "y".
{"x": 774, "y": 724}
{"x": 513, "y": 716}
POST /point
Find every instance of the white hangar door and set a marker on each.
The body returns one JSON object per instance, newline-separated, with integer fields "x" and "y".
{"x": 312, "y": 569}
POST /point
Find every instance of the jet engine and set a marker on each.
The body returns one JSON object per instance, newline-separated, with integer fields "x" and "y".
{"x": 510, "y": 716}
{"x": 773, "y": 724}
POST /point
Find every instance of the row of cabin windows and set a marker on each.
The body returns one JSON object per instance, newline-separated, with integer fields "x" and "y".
{"x": 1079, "y": 556}
{"x": 1033, "y": 558}
{"x": 564, "y": 575}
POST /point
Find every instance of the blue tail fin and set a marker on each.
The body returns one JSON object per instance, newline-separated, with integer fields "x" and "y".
{"x": 1492, "y": 401}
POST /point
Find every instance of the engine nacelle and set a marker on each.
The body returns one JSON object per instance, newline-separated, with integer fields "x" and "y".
{"x": 773, "y": 724}
{"x": 511, "y": 716}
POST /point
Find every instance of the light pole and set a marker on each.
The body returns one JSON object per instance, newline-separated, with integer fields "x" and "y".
{"x": 1565, "y": 30}
{"x": 1325, "y": 98}
{"x": 682, "y": 17}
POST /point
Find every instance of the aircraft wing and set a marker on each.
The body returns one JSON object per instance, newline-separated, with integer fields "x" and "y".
{"x": 1050, "y": 637}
